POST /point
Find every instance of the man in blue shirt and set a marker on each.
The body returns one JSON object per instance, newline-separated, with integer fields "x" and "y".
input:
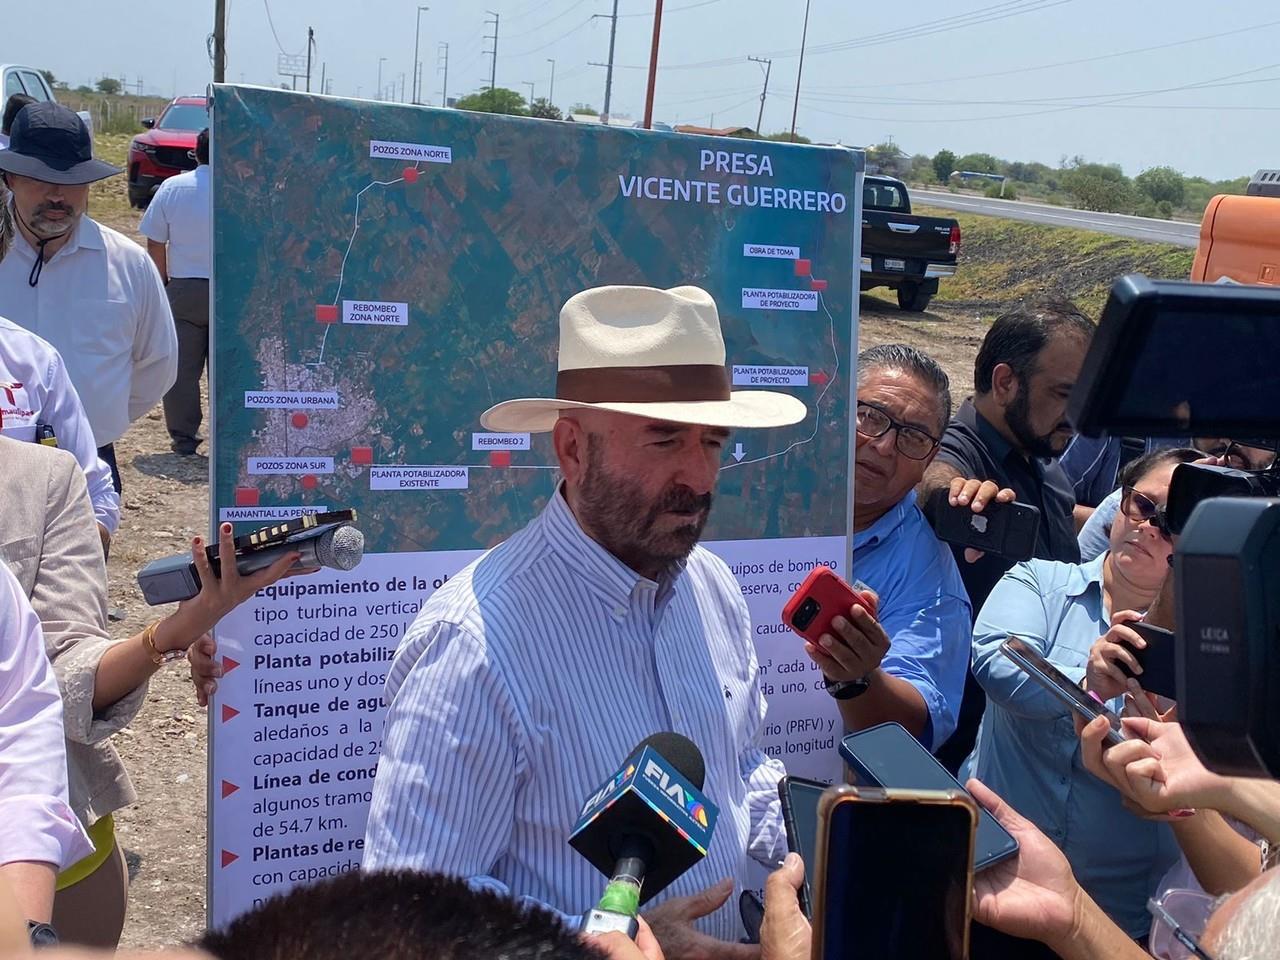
{"x": 907, "y": 664}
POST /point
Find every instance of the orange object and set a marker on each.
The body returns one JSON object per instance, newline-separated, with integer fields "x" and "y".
{"x": 1239, "y": 240}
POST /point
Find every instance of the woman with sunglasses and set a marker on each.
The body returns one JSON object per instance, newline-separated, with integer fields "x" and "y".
{"x": 1027, "y": 747}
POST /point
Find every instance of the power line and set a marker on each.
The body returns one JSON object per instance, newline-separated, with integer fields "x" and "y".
{"x": 670, "y": 10}
{"x": 546, "y": 23}
{"x": 272, "y": 25}
{"x": 1001, "y": 11}
{"x": 552, "y": 43}
{"x": 1060, "y": 63}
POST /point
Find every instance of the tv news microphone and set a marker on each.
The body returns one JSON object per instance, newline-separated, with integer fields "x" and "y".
{"x": 336, "y": 545}
{"x": 643, "y": 828}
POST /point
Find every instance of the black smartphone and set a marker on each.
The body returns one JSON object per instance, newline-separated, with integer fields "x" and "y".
{"x": 1156, "y": 659}
{"x": 800, "y": 817}
{"x": 894, "y": 874}
{"x": 751, "y": 909}
{"x": 887, "y": 756}
{"x": 1057, "y": 683}
{"x": 1005, "y": 529}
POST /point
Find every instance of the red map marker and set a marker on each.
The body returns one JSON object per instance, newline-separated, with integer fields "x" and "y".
{"x": 500, "y": 458}
{"x": 803, "y": 268}
{"x": 326, "y": 313}
{"x": 228, "y": 665}
{"x": 229, "y": 713}
{"x": 246, "y": 496}
{"x": 299, "y": 420}
{"x": 309, "y": 481}
{"x": 817, "y": 284}
{"x": 819, "y": 377}
{"x": 362, "y": 455}
{"x": 228, "y": 788}
{"x": 410, "y": 174}
{"x": 229, "y": 858}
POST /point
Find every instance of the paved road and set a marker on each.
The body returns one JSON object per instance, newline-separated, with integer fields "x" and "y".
{"x": 1139, "y": 228}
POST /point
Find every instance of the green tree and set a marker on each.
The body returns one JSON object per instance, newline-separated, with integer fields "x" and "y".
{"x": 545, "y": 109}
{"x": 84, "y": 89}
{"x": 784, "y": 136}
{"x": 494, "y": 100}
{"x": 921, "y": 168}
{"x": 944, "y": 164}
{"x": 1162, "y": 184}
{"x": 886, "y": 157}
{"x": 585, "y": 108}
{"x": 109, "y": 86}
{"x": 978, "y": 163}
{"x": 49, "y": 78}
{"x": 1098, "y": 186}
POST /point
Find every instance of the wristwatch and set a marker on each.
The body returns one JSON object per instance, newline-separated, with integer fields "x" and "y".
{"x": 847, "y": 689}
{"x": 41, "y": 934}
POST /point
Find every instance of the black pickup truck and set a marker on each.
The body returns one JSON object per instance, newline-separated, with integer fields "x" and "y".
{"x": 900, "y": 250}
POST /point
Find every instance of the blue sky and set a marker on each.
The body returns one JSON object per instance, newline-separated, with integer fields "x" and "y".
{"x": 1005, "y": 77}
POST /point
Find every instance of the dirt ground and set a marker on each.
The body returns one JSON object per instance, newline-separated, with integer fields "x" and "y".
{"x": 166, "y": 502}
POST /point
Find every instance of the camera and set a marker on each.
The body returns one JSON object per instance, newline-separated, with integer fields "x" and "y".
{"x": 804, "y": 616}
{"x": 1170, "y": 359}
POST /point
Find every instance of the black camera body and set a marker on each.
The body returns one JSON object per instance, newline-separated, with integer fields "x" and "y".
{"x": 1175, "y": 359}
{"x": 1195, "y": 482}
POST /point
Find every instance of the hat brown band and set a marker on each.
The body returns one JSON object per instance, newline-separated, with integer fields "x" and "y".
{"x": 674, "y": 383}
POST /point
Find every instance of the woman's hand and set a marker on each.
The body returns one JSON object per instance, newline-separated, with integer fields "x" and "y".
{"x": 205, "y": 669}
{"x": 1103, "y": 675}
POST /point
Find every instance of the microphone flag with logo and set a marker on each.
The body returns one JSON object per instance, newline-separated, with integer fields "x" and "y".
{"x": 644, "y": 827}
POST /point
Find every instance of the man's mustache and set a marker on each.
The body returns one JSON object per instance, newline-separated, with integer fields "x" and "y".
{"x": 50, "y": 207}
{"x": 682, "y": 500}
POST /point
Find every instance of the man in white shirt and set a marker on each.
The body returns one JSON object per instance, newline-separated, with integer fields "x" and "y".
{"x": 88, "y": 290}
{"x": 39, "y": 833}
{"x": 38, "y": 403}
{"x": 178, "y": 231}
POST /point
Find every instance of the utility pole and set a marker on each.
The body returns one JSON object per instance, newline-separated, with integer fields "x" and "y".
{"x": 653, "y": 64}
{"x": 804, "y": 35}
{"x": 220, "y": 41}
{"x": 493, "y": 68}
{"x": 323, "y": 87}
{"x": 768, "y": 66}
{"x": 311, "y": 42}
{"x": 381, "y": 92}
{"x": 608, "y": 76}
{"x": 444, "y": 90}
{"x": 529, "y": 84}
{"x": 551, "y": 97}
{"x": 417, "y": 27}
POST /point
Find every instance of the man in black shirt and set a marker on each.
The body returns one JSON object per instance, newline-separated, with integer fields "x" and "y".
{"x": 1007, "y": 438}
{"x": 1008, "y": 433}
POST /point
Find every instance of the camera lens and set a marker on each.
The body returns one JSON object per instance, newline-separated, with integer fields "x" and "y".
{"x": 806, "y": 614}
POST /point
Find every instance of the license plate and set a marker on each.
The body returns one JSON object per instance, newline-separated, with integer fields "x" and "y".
{"x": 891, "y": 264}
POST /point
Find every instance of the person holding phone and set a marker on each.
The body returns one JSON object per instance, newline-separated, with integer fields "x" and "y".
{"x": 906, "y": 660}
{"x": 1027, "y": 750}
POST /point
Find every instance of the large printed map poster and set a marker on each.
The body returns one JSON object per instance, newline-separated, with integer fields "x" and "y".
{"x": 382, "y": 275}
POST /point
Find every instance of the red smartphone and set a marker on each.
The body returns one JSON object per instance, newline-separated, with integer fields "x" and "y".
{"x": 821, "y": 598}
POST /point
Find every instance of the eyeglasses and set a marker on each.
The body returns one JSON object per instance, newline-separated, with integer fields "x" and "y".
{"x": 1236, "y": 457}
{"x": 912, "y": 442}
{"x": 1180, "y": 919}
{"x": 1142, "y": 509}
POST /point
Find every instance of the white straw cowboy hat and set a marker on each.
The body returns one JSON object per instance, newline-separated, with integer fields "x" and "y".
{"x": 650, "y": 353}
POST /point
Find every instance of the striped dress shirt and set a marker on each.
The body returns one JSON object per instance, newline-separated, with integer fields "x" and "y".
{"x": 524, "y": 683}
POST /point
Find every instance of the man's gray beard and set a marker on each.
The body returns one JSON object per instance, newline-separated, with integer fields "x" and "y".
{"x": 619, "y": 513}
{"x": 61, "y": 229}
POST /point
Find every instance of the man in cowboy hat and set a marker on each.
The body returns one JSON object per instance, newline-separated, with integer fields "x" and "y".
{"x": 88, "y": 290}
{"x": 531, "y": 675}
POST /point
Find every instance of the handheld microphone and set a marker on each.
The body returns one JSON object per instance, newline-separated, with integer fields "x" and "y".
{"x": 644, "y": 827}
{"x": 336, "y": 545}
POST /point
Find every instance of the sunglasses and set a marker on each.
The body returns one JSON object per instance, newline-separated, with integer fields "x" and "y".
{"x": 874, "y": 422}
{"x": 1142, "y": 509}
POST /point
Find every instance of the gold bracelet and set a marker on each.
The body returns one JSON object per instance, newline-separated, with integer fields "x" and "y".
{"x": 149, "y": 639}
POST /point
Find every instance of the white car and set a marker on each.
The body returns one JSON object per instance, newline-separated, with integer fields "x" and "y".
{"x": 18, "y": 78}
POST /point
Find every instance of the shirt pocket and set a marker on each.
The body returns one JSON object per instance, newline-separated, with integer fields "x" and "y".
{"x": 22, "y": 556}
{"x": 104, "y": 328}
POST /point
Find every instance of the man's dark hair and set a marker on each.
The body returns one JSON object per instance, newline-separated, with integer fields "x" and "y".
{"x": 394, "y": 915}
{"x": 909, "y": 360}
{"x": 11, "y": 108}
{"x": 202, "y": 146}
{"x": 1135, "y": 470}
{"x": 1018, "y": 336}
